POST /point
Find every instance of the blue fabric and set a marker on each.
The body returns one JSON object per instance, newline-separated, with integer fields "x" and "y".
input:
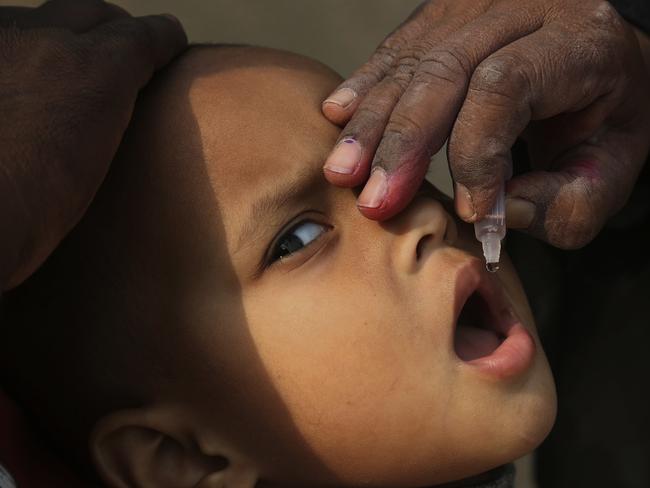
{"x": 6, "y": 481}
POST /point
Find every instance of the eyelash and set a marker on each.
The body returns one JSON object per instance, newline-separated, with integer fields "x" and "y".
{"x": 275, "y": 255}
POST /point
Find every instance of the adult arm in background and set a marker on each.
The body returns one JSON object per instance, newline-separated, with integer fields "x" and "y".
{"x": 567, "y": 76}
{"x": 70, "y": 71}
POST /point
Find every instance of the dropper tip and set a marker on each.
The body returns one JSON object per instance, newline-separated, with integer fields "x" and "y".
{"x": 491, "y": 251}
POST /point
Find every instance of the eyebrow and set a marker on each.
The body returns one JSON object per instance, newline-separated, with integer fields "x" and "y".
{"x": 265, "y": 208}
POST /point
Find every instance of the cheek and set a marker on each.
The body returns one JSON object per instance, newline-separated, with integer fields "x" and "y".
{"x": 358, "y": 368}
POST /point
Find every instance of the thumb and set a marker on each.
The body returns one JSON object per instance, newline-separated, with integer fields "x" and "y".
{"x": 568, "y": 206}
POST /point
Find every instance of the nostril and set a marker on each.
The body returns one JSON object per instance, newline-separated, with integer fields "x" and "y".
{"x": 422, "y": 244}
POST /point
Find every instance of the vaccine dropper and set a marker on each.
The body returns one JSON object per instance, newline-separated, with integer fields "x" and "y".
{"x": 491, "y": 230}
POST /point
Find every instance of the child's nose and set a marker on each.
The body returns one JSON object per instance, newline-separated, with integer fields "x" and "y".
{"x": 421, "y": 229}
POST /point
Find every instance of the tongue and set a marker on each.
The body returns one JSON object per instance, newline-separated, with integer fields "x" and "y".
{"x": 472, "y": 342}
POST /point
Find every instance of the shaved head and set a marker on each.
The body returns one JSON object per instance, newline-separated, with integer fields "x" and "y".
{"x": 97, "y": 327}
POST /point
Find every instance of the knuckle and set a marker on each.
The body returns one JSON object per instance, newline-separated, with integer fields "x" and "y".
{"x": 412, "y": 62}
{"x": 473, "y": 176}
{"x": 124, "y": 46}
{"x": 474, "y": 150}
{"x": 502, "y": 76}
{"x": 371, "y": 73}
{"x": 404, "y": 132}
{"x": 129, "y": 34}
{"x": 365, "y": 120}
{"x": 386, "y": 55}
{"x": 375, "y": 109}
{"x": 606, "y": 37}
{"x": 407, "y": 65}
{"x": 383, "y": 98}
{"x": 398, "y": 82}
{"x": 473, "y": 161}
{"x": 369, "y": 113}
{"x": 392, "y": 45}
{"x": 449, "y": 65}
{"x": 604, "y": 15}
{"x": 366, "y": 76}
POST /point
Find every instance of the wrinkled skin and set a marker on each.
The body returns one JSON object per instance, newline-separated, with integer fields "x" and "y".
{"x": 568, "y": 76}
{"x": 71, "y": 71}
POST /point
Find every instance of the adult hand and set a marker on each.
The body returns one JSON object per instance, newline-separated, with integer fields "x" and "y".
{"x": 70, "y": 72}
{"x": 566, "y": 75}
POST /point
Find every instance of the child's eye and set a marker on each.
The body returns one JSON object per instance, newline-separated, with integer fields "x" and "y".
{"x": 296, "y": 239}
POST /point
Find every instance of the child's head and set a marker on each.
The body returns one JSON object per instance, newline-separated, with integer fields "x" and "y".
{"x": 223, "y": 313}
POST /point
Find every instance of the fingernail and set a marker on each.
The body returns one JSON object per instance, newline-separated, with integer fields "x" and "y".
{"x": 345, "y": 157}
{"x": 519, "y": 213}
{"x": 343, "y": 97}
{"x": 374, "y": 192}
{"x": 464, "y": 205}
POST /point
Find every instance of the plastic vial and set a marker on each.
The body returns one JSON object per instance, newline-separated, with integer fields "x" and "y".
{"x": 491, "y": 230}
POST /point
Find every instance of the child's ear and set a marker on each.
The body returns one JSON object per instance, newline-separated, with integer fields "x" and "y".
{"x": 151, "y": 448}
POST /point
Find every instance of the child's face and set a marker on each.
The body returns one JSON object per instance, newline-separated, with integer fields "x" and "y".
{"x": 327, "y": 350}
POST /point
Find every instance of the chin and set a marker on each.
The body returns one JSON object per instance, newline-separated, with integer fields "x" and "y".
{"x": 541, "y": 410}
{"x": 531, "y": 417}
{"x": 526, "y": 417}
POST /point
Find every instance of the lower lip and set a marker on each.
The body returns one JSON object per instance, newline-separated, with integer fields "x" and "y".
{"x": 512, "y": 358}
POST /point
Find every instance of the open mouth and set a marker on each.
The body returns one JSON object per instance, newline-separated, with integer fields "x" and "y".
{"x": 477, "y": 333}
{"x": 487, "y": 335}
